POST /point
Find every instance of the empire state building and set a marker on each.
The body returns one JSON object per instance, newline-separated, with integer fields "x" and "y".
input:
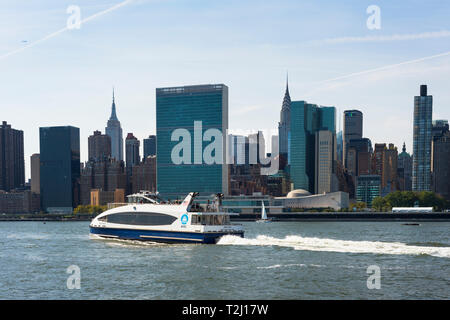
{"x": 114, "y": 130}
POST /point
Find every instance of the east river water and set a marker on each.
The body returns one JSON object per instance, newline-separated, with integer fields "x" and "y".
{"x": 279, "y": 260}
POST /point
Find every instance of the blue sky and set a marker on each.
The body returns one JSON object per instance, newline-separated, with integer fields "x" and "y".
{"x": 67, "y": 79}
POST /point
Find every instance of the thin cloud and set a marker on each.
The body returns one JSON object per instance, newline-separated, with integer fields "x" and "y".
{"x": 247, "y": 109}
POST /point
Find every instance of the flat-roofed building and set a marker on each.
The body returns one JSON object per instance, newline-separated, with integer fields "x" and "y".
{"x": 183, "y": 116}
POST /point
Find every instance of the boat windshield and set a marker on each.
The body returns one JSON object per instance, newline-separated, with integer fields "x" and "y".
{"x": 211, "y": 220}
{"x": 204, "y": 207}
{"x": 144, "y": 198}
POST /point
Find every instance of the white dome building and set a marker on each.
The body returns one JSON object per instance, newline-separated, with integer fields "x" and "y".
{"x": 298, "y": 193}
{"x": 303, "y": 199}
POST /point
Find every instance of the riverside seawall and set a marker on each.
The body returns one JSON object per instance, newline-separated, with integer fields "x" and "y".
{"x": 348, "y": 216}
{"x": 46, "y": 217}
{"x": 294, "y": 216}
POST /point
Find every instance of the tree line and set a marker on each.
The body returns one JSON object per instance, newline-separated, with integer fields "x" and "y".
{"x": 410, "y": 199}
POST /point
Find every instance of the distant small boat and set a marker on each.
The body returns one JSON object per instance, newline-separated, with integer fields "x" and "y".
{"x": 411, "y": 224}
{"x": 264, "y": 215}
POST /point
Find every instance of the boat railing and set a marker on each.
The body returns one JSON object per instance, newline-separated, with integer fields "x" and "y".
{"x": 116, "y": 205}
{"x": 121, "y": 204}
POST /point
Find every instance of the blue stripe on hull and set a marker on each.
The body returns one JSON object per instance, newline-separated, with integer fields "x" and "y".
{"x": 161, "y": 236}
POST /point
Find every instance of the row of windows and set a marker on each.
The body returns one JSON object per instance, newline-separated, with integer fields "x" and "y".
{"x": 141, "y": 218}
{"x": 212, "y": 220}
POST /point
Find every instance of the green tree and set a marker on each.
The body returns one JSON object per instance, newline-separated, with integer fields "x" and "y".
{"x": 358, "y": 206}
{"x": 89, "y": 209}
{"x": 381, "y": 204}
{"x": 409, "y": 199}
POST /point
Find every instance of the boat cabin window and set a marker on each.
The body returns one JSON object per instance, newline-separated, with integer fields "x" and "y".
{"x": 210, "y": 220}
{"x": 138, "y": 200}
{"x": 141, "y": 218}
{"x": 102, "y": 219}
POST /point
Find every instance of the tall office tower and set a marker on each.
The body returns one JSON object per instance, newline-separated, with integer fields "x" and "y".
{"x": 389, "y": 176}
{"x": 368, "y": 187}
{"x": 423, "y": 111}
{"x": 404, "y": 170}
{"x": 439, "y": 127}
{"x": 150, "y": 146}
{"x": 284, "y": 126}
{"x": 192, "y": 123}
{"x": 60, "y": 168}
{"x": 385, "y": 165}
{"x": 144, "y": 175}
{"x": 132, "y": 154}
{"x": 35, "y": 173}
{"x": 99, "y": 146}
{"x": 353, "y": 129}
{"x": 364, "y": 162}
{"x": 440, "y": 165}
{"x": 256, "y": 147}
{"x": 12, "y": 163}
{"x": 238, "y": 150}
{"x": 107, "y": 175}
{"x": 325, "y": 167}
{"x": 359, "y": 152}
{"x": 339, "y": 146}
{"x": 114, "y": 130}
{"x": 306, "y": 120}
{"x": 378, "y": 158}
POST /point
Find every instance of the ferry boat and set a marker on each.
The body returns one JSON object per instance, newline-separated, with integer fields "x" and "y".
{"x": 147, "y": 217}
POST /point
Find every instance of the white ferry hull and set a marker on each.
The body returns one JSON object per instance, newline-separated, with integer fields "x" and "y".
{"x": 161, "y": 236}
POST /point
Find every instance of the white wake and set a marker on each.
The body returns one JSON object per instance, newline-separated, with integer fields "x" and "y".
{"x": 332, "y": 245}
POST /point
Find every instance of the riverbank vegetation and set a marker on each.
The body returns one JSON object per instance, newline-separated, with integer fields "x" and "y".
{"x": 410, "y": 199}
{"x": 89, "y": 209}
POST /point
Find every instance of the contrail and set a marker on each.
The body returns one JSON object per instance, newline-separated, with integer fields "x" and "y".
{"x": 54, "y": 34}
{"x": 394, "y": 37}
{"x": 387, "y": 67}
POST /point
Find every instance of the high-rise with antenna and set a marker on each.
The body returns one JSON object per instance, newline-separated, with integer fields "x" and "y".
{"x": 114, "y": 130}
{"x": 284, "y": 126}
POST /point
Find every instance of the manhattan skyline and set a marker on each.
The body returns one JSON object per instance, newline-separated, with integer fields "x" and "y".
{"x": 249, "y": 46}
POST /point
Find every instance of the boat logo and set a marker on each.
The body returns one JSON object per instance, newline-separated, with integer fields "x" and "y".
{"x": 184, "y": 218}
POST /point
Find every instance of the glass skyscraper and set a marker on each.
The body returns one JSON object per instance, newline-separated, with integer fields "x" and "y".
{"x": 368, "y": 188}
{"x": 150, "y": 146}
{"x": 60, "y": 168}
{"x": 306, "y": 120}
{"x": 353, "y": 129}
{"x": 423, "y": 111}
{"x": 179, "y": 108}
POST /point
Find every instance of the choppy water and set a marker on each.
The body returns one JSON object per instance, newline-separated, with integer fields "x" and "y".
{"x": 280, "y": 260}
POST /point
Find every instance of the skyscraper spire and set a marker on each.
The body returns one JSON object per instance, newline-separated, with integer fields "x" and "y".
{"x": 113, "y": 111}
{"x": 287, "y": 97}
{"x": 284, "y": 126}
{"x": 114, "y": 130}
{"x": 287, "y": 83}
